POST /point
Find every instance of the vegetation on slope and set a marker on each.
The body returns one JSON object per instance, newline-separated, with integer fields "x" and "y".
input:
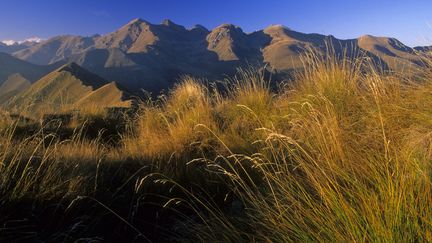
{"x": 341, "y": 153}
{"x": 68, "y": 88}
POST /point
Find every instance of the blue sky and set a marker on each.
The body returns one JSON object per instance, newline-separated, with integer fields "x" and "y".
{"x": 409, "y": 21}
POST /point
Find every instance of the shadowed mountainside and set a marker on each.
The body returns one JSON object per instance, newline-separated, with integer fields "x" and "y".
{"x": 11, "y": 65}
{"x": 16, "y": 75}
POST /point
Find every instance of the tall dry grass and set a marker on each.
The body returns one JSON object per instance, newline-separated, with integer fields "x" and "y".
{"x": 166, "y": 127}
{"x": 343, "y": 153}
{"x": 340, "y": 153}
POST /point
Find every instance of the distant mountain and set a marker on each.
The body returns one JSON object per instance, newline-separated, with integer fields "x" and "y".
{"x": 69, "y": 87}
{"x": 142, "y": 55}
{"x": 14, "y": 46}
{"x": 390, "y": 50}
{"x": 55, "y": 49}
{"x": 27, "y": 42}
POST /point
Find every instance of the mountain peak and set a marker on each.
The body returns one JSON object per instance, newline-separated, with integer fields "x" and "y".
{"x": 167, "y": 22}
{"x": 170, "y": 24}
{"x": 227, "y": 26}
{"x": 199, "y": 30}
{"x": 228, "y": 30}
{"x": 137, "y": 21}
{"x": 199, "y": 27}
{"x": 277, "y": 27}
{"x": 367, "y": 37}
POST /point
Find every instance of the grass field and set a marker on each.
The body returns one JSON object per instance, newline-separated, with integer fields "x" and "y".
{"x": 340, "y": 153}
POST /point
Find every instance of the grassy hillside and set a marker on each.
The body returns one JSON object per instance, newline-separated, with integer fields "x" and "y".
{"x": 12, "y": 86}
{"x": 69, "y": 87}
{"x": 341, "y": 153}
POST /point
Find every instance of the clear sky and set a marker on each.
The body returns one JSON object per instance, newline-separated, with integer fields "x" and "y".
{"x": 408, "y": 20}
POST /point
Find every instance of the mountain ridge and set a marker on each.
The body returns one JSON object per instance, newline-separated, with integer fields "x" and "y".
{"x": 141, "y": 55}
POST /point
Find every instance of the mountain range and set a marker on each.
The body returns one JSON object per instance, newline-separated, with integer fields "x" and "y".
{"x": 10, "y": 46}
{"x": 141, "y": 55}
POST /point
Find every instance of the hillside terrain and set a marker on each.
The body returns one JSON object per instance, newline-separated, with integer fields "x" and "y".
{"x": 142, "y": 55}
{"x": 341, "y": 153}
{"x": 161, "y": 133}
{"x": 68, "y": 88}
{"x": 16, "y": 75}
{"x": 12, "y": 66}
{"x": 12, "y": 86}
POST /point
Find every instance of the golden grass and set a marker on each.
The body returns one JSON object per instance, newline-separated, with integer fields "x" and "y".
{"x": 345, "y": 155}
{"x": 167, "y": 128}
{"x": 341, "y": 153}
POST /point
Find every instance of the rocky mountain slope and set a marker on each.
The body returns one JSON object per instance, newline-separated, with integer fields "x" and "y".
{"x": 142, "y": 55}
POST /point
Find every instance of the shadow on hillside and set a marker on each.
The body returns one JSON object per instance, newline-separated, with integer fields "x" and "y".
{"x": 108, "y": 128}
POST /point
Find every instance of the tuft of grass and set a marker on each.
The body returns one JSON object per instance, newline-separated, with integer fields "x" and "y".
{"x": 167, "y": 128}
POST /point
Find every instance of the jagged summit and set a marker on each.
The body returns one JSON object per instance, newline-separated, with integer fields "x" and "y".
{"x": 225, "y": 31}
{"x": 131, "y": 25}
{"x": 137, "y": 21}
{"x": 228, "y": 27}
